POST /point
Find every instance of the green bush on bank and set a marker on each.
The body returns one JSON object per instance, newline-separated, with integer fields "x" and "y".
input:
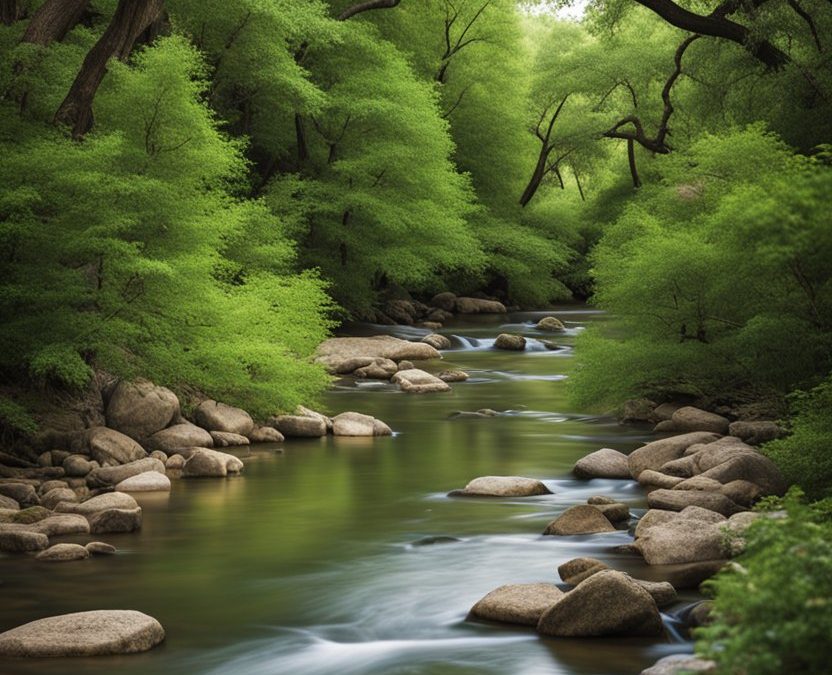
{"x": 772, "y": 607}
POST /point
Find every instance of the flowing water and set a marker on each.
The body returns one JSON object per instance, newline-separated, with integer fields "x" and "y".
{"x": 345, "y": 555}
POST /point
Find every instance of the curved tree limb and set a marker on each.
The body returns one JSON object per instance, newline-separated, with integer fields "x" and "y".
{"x": 366, "y": 6}
{"x": 716, "y": 24}
{"x": 53, "y": 20}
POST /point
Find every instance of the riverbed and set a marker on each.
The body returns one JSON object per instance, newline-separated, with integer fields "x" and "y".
{"x": 344, "y": 555}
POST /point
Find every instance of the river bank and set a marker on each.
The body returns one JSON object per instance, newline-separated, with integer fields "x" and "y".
{"x": 347, "y": 551}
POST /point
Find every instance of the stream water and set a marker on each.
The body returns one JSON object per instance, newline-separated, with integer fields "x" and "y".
{"x": 346, "y": 556}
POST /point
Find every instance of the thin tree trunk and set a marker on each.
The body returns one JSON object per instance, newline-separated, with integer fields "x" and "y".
{"x": 53, "y": 20}
{"x": 580, "y": 188}
{"x": 537, "y": 177}
{"x": 631, "y": 157}
{"x": 131, "y": 19}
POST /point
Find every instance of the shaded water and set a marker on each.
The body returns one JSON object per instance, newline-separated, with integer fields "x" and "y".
{"x": 345, "y": 556}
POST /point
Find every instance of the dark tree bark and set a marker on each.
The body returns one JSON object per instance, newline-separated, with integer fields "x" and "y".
{"x": 366, "y": 6}
{"x": 716, "y": 24}
{"x": 454, "y": 46}
{"x": 631, "y": 159}
{"x": 10, "y": 12}
{"x": 131, "y": 19}
{"x": 543, "y": 166}
{"x": 53, "y": 20}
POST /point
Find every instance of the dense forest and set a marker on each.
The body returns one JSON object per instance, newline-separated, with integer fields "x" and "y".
{"x": 199, "y": 192}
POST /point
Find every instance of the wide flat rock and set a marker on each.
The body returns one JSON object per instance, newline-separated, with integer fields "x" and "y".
{"x": 503, "y": 486}
{"x": 335, "y": 351}
{"x": 517, "y": 603}
{"x": 95, "y": 633}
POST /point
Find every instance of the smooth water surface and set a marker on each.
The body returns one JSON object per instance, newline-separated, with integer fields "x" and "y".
{"x": 345, "y": 556}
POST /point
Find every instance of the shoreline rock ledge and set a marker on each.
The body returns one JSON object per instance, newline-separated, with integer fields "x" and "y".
{"x": 96, "y": 633}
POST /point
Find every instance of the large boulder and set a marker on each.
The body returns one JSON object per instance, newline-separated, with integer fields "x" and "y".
{"x": 102, "y": 502}
{"x": 607, "y": 603}
{"x": 437, "y": 341}
{"x": 77, "y": 466}
{"x": 417, "y": 381}
{"x": 116, "y": 520}
{"x": 301, "y": 426}
{"x": 109, "y": 447}
{"x": 356, "y": 424}
{"x": 110, "y": 475}
{"x": 517, "y": 603}
{"x": 210, "y": 463}
{"x": 654, "y": 455}
{"x": 57, "y": 495}
{"x": 478, "y": 306}
{"x": 23, "y": 494}
{"x": 184, "y": 435}
{"x": 603, "y": 463}
{"x": 9, "y": 503}
{"x": 215, "y": 416}
{"x": 551, "y": 324}
{"x": 516, "y": 343}
{"x": 676, "y": 500}
{"x": 61, "y": 524}
{"x": 580, "y": 519}
{"x": 502, "y": 486}
{"x": 149, "y": 481}
{"x": 336, "y": 353}
{"x": 752, "y": 468}
{"x": 683, "y": 538}
{"x": 63, "y": 553}
{"x": 100, "y": 632}
{"x": 680, "y": 664}
{"x": 445, "y": 301}
{"x": 651, "y": 478}
{"x": 689, "y": 418}
{"x": 757, "y": 432}
{"x": 140, "y": 408}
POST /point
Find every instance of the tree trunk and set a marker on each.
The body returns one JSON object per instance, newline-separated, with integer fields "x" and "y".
{"x": 130, "y": 20}
{"x": 10, "y": 12}
{"x": 631, "y": 157}
{"x": 53, "y": 20}
{"x": 537, "y": 177}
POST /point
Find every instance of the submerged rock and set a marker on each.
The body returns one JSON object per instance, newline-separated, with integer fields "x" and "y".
{"x": 509, "y": 342}
{"x": 453, "y": 376}
{"x": 517, "y": 603}
{"x": 607, "y": 603}
{"x": 356, "y": 424}
{"x": 502, "y": 486}
{"x": 63, "y": 553}
{"x": 551, "y": 324}
{"x": 83, "y": 634}
{"x": 417, "y": 381}
{"x": 580, "y": 519}
{"x": 204, "y": 462}
{"x": 116, "y": 520}
{"x": 603, "y": 463}
{"x": 100, "y": 548}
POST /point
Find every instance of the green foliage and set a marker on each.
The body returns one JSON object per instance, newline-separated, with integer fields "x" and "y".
{"x": 805, "y": 456}
{"x": 718, "y": 277}
{"x": 772, "y": 608}
{"x": 15, "y": 419}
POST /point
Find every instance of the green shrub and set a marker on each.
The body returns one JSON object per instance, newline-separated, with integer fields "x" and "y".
{"x": 772, "y": 607}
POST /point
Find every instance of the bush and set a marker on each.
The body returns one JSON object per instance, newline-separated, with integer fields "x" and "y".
{"x": 772, "y": 608}
{"x": 805, "y": 457}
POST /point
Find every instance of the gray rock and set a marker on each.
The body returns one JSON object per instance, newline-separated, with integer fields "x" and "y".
{"x": 49, "y": 485}
{"x": 654, "y": 455}
{"x": 603, "y": 463}
{"x": 756, "y": 433}
{"x": 160, "y": 455}
{"x": 110, "y": 447}
{"x": 116, "y": 520}
{"x": 23, "y": 494}
{"x": 509, "y": 342}
{"x": 753, "y": 468}
{"x": 683, "y": 541}
{"x": 175, "y": 462}
{"x": 265, "y": 435}
{"x": 185, "y": 435}
{"x": 300, "y": 426}
{"x": 694, "y": 419}
{"x": 54, "y": 497}
{"x": 215, "y": 416}
{"x": 336, "y": 354}
{"x": 103, "y": 502}
{"x": 22, "y": 541}
{"x": 615, "y": 513}
{"x": 112, "y": 475}
{"x": 77, "y": 466}
{"x": 503, "y": 486}
{"x": 575, "y": 571}
{"x": 551, "y": 324}
{"x": 662, "y": 592}
{"x": 653, "y": 478}
{"x": 453, "y": 376}
{"x": 607, "y": 603}
{"x": 225, "y": 439}
{"x": 211, "y": 464}
{"x": 478, "y": 306}
{"x": 8, "y": 503}
{"x": 581, "y": 519}
{"x": 100, "y": 548}
{"x": 437, "y": 341}
{"x": 445, "y": 301}
{"x": 100, "y": 632}
{"x": 140, "y": 408}
{"x": 676, "y": 500}
{"x": 149, "y": 481}
{"x": 63, "y": 553}
{"x": 417, "y": 381}
{"x": 356, "y": 424}
{"x": 517, "y": 603}
{"x": 680, "y": 664}
{"x": 62, "y": 524}
{"x": 378, "y": 369}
